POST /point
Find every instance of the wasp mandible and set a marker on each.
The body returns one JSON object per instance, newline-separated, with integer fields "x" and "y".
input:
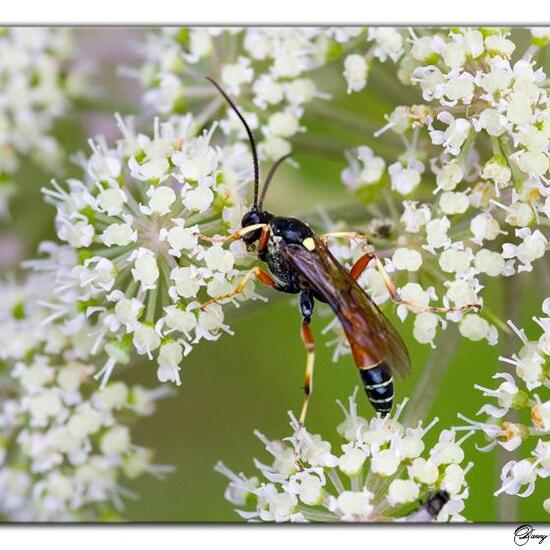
{"x": 300, "y": 262}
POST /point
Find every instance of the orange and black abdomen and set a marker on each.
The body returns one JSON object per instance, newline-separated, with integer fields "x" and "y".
{"x": 378, "y": 383}
{"x": 377, "y": 348}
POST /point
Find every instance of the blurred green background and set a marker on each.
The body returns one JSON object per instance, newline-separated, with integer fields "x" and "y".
{"x": 249, "y": 381}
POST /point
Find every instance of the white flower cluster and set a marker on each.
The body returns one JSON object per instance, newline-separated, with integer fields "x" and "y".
{"x": 380, "y": 473}
{"x": 38, "y": 81}
{"x": 526, "y": 389}
{"x": 143, "y": 270}
{"x": 481, "y": 144}
{"x": 65, "y": 449}
{"x": 266, "y": 70}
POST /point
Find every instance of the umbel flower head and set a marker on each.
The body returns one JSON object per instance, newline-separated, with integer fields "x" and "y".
{"x": 524, "y": 389}
{"x": 140, "y": 224}
{"x": 38, "y": 82}
{"x": 267, "y": 70}
{"x": 66, "y": 449}
{"x": 479, "y": 144}
{"x": 380, "y": 472}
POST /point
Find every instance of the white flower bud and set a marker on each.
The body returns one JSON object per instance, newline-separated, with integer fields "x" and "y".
{"x": 211, "y": 318}
{"x": 491, "y": 263}
{"x": 436, "y": 232}
{"x": 405, "y": 180}
{"x": 423, "y": 470}
{"x": 218, "y": 259}
{"x": 198, "y": 199}
{"x": 385, "y": 463}
{"x": 425, "y": 327}
{"x": 85, "y": 422}
{"x": 453, "y": 480}
{"x": 484, "y": 227}
{"x": 449, "y": 176}
{"x": 45, "y": 405}
{"x": 402, "y": 491}
{"x": 112, "y": 396}
{"x": 111, "y": 201}
{"x": 311, "y": 490}
{"x": 355, "y": 72}
{"x": 497, "y": 169}
{"x": 128, "y": 311}
{"x": 461, "y": 292}
{"x": 146, "y": 339}
{"x": 492, "y": 122}
{"x": 170, "y": 355}
{"x": 161, "y": 199}
{"x": 352, "y": 461}
{"x": 275, "y": 147}
{"x": 474, "y": 327}
{"x": 79, "y": 235}
{"x": 118, "y": 234}
{"x": 236, "y": 74}
{"x": 534, "y": 164}
{"x": 178, "y": 319}
{"x": 407, "y": 259}
{"x": 497, "y": 44}
{"x": 520, "y": 214}
{"x": 186, "y": 281}
{"x": 454, "y": 261}
{"x": 460, "y": 88}
{"x": 116, "y": 441}
{"x": 354, "y": 504}
{"x": 454, "y": 203}
{"x": 145, "y": 270}
{"x": 283, "y": 124}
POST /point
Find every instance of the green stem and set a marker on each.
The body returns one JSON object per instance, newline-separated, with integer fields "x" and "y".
{"x": 432, "y": 376}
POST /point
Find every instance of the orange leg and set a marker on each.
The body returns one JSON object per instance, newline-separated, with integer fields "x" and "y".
{"x": 307, "y": 339}
{"x": 360, "y": 265}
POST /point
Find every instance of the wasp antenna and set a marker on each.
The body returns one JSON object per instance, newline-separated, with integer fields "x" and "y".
{"x": 250, "y": 138}
{"x": 270, "y": 175}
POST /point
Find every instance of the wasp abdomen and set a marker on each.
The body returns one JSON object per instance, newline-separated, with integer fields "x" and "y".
{"x": 378, "y": 384}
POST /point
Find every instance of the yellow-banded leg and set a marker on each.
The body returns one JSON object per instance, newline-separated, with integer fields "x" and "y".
{"x": 345, "y": 235}
{"x": 238, "y": 234}
{"x": 396, "y": 298}
{"x": 362, "y": 263}
{"x": 259, "y": 273}
{"x": 307, "y": 339}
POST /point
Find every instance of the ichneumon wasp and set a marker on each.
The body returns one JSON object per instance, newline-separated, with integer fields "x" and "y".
{"x": 300, "y": 262}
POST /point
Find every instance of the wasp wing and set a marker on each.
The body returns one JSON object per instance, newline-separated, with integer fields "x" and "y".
{"x": 371, "y": 336}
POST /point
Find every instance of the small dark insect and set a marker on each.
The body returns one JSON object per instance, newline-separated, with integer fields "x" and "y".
{"x": 430, "y": 509}
{"x": 300, "y": 262}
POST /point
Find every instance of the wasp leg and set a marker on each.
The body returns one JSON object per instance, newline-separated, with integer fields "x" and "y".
{"x": 238, "y": 234}
{"x": 360, "y": 265}
{"x": 396, "y": 298}
{"x": 260, "y": 274}
{"x": 307, "y": 339}
{"x": 306, "y": 307}
{"x": 345, "y": 235}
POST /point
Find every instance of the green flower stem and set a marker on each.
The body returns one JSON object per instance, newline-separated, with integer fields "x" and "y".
{"x": 432, "y": 376}
{"x": 151, "y": 305}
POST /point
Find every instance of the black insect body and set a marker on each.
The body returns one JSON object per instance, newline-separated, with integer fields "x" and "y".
{"x": 430, "y": 509}
{"x": 299, "y": 262}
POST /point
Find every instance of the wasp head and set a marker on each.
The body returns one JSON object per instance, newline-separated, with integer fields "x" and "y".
{"x": 253, "y": 217}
